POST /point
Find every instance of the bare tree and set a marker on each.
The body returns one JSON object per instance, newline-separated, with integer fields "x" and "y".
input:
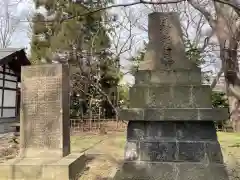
{"x": 9, "y": 21}
{"x": 223, "y": 20}
{"x": 122, "y": 40}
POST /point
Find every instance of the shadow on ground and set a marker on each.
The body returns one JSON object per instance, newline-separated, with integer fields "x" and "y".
{"x": 108, "y": 155}
{"x": 100, "y": 167}
{"x": 89, "y": 159}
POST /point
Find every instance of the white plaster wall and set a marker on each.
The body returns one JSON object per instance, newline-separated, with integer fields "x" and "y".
{"x": 9, "y": 113}
{"x": 9, "y": 98}
{"x": 9, "y": 101}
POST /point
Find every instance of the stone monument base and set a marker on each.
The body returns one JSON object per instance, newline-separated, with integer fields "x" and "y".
{"x": 66, "y": 168}
{"x": 172, "y": 150}
{"x": 170, "y": 171}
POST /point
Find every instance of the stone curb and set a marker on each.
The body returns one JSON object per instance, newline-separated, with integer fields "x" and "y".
{"x": 174, "y": 114}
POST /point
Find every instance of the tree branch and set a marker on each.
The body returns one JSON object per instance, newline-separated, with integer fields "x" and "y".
{"x": 205, "y": 13}
{"x": 231, "y": 3}
{"x": 214, "y": 83}
{"x": 125, "y": 5}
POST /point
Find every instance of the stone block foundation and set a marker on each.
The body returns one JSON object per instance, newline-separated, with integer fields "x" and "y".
{"x": 66, "y": 168}
{"x": 171, "y": 171}
{"x": 176, "y": 150}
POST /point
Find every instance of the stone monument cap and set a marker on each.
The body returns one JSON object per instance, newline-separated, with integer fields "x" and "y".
{"x": 165, "y": 49}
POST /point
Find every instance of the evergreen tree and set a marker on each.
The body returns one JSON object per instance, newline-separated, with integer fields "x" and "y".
{"x": 219, "y": 100}
{"x": 82, "y": 41}
{"x": 53, "y": 34}
{"x": 110, "y": 77}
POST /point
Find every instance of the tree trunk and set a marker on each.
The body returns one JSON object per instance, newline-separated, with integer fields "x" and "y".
{"x": 233, "y": 83}
{"x": 234, "y": 113}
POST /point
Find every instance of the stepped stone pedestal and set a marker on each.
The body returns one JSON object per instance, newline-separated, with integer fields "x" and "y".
{"x": 171, "y": 133}
{"x": 45, "y": 128}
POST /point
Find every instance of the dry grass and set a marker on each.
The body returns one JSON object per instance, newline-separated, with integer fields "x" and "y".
{"x": 108, "y": 153}
{"x": 83, "y": 142}
{"x": 230, "y": 144}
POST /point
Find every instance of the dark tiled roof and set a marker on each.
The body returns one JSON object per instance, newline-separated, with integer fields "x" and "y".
{"x": 14, "y": 58}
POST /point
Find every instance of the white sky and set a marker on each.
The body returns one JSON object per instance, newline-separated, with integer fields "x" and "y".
{"x": 21, "y": 37}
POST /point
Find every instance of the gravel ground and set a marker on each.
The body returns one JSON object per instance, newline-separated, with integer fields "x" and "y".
{"x": 9, "y": 146}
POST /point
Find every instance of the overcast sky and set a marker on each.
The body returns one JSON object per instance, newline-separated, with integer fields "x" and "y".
{"x": 21, "y": 37}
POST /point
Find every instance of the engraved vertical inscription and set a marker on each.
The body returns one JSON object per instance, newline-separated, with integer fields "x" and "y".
{"x": 42, "y": 105}
{"x": 166, "y": 42}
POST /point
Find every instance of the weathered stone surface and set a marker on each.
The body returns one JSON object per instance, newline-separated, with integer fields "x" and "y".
{"x": 158, "y": 130}
{"x": 151, "y": 130}
{"x": 165, "y": 48}
{"x": 132, "y": 114}
{"x": 193, "y": 172}
{"x": 171, "y": 134}
{"x": 152, "y": 114}
{"x": 196, "y": 131}
{"x": 136, "y": 130}
{"x": 178, "y": 76}
{"x": 158, "y": 151}
{"x": 170, "y": 171}
{"x": 67, "y": 168}
{"x": 44, "y": 133}
{"x": 208, "y": 113}
{"x": 174, "y": 114}
{"x": 45, "y": 111}
{"x": 214, "y": 153}
{"x": 191, "y": 151}
{"x": 146, "y": 171}
{"x": 180, "y": 114}
{"x": 161, "y": 141}
{"x": 169, "y": 96}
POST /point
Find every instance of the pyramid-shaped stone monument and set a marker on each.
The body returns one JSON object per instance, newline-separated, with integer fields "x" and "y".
{"x": 171, "y": 133}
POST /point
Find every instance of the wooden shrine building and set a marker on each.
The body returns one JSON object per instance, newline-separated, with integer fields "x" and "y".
{"x": 11, "y": 60}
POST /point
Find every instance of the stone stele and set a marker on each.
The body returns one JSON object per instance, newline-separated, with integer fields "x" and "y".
{"x": 171, "y": 133}
{"x": 45, "y": 128}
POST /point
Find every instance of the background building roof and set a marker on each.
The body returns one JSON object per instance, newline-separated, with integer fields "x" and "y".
{"x": 14, "y": 58}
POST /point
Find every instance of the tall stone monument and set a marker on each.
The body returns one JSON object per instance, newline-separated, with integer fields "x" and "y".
{"x": 45, "y": 127}
{"x": 45, "y": 111}
{"x": 171, "y": 133}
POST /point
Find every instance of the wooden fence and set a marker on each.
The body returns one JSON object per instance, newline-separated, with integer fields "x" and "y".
{"x": 102, "y": 126}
